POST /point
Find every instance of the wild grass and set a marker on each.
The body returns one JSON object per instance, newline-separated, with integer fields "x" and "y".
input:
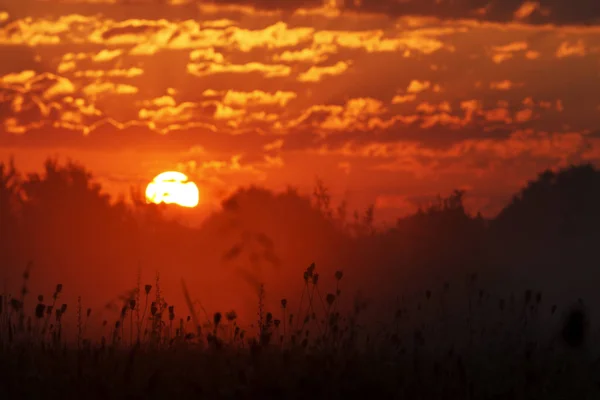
{"x": 425, "y": 349}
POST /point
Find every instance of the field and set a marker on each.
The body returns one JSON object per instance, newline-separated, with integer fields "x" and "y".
{"x": 149, "y": 352}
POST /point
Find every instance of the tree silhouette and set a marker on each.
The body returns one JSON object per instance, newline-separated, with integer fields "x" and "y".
{"x": 556, "y": 206}
{"x": 71, "y": 230}
{"x": 10, "y": 203}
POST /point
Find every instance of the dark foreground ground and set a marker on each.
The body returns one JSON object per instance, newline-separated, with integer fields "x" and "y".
{"x": 184, "y": 372}
{"x": 502, "y": 358}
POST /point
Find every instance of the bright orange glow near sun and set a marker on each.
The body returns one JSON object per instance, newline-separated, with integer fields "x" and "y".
{"x": 172, "y": 188}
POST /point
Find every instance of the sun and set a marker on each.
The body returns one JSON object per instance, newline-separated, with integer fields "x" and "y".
{"x": 173, "y": 188}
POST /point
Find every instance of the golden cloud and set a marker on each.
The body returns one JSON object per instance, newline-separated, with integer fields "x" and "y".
{"x": 314, "y": 54}
{"x": 168, "y": 114}
{"x": 95, "y": 89}
{"x": 316, "y": 74}
{"x": 526, "y": 9}
{"x": 267, "y": 70}
{"x": 357, "y": 113}
{"x": 399, "y": 99}
{"x": 524, "y": 115}
{"x": 274, "y": 36}
{"x": 568, "y": 49}
{"x": 111, "y": 73}
{"x": 416, "y": 86}
{"x": 208, "y": 54}
{"x": 258, "y": 97}
{"x": 107, "y": 55}
{"x": 504, "y": 85}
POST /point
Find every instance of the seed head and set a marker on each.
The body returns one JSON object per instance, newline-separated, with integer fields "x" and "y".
{"x": 339, "y": 275}
{"x": 16, "y": 304}
{"x": 283, "y": 303}
{"x": 147, "y": 289}
{"x": 132, "y": 304}
{"x": 39, "y": 311}
{"x": 330, "y": 299}
{"x": 217, "y": 318}
{"x": 59, "y": 288}
{"x": 41, "y": 298}
{"x": 315, "y": 279}
{"x": 231, "y": 316}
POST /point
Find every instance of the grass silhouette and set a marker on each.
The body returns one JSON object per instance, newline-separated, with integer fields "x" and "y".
{"x": 316, "y": 353}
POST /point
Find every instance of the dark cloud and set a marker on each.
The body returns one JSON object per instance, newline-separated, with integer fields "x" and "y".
{"x": 550, "y": 11}
{"x": 107, "y": 136}
{"x": 560, "y": 12}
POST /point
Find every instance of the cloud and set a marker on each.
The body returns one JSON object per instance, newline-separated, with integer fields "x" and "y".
{"x": 112, "y": 73}
{"x": 276, "y": 35}
{"x": 208, "y": 54}
{"x": 568, "y": 49}
{"x": 399, "y": 99}
{"x": 267, "y": 70}
{"x": 357, "y": 113}
{"x": 526, "y": 9}
{"x": 95, "y": 89}
{"x": 542, "y": 12}
{"x": 504, "y": 85}
{"x": 506, "y": 52}
{"x": 315, "y": 54}
{"x": 258, "y": 97}
{"x": 524, "y": 115}
{"x": 107, "y": 55}
{"x": 316, "y": 74}
{"x": 418, "y": 86}
{"x": 415, "y": 157}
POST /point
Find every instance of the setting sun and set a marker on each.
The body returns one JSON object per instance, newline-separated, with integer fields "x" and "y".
{"x": 172, "y": 188}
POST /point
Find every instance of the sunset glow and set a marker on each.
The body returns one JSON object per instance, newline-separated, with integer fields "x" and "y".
{"x": 173, "y": 188}
{"x": 390, "y": 103}
{"x": 276, "y": 190}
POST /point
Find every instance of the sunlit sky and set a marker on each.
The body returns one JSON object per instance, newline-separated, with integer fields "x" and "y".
{"x": 388, "y": 102}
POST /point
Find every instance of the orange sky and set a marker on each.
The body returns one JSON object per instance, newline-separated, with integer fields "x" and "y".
{"x": 389, "y": 110}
